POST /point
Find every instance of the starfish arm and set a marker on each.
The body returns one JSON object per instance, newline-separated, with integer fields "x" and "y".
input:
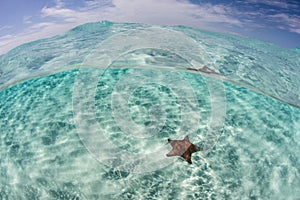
{"x": 197, "y": 148}
{"x": 172, "y": 153}
{"x": 186, "y": 138}
{"x": 172, "y": 142}
{"x": 187, "y": 157}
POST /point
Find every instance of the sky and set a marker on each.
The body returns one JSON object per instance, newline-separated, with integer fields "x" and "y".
{"x": 275, "y": 21}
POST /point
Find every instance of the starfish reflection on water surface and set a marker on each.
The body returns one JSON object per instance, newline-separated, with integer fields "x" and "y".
{"x": 183, "y": 148}
{"x": 204, "y": 69}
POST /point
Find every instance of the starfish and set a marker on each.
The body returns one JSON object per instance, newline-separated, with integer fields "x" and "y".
{"x": 183, "y": 148}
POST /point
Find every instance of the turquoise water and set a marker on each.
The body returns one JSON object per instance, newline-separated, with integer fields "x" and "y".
{"x": 87, "y": 115}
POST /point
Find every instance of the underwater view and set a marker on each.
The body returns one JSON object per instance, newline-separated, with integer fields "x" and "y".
{"x": 88, "y": 115}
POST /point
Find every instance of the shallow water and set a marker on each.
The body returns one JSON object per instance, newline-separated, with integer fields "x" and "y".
{"x": 94, "y": 133}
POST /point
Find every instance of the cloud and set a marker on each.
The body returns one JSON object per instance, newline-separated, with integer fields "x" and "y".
{"x": 279, "y": 15}
{"x": 270, "y": 14}
{"x": 37, "y": 31}
{"x": 27, "y": 20}
{"x": 276, "y": 3}
{"x": 216, "y": 17}
{"x": 2, "y": 28}
{"x": 58, "y": 19}
{"x": 59, "y": 4}
{"x": 204, "y": 16}
{"x": 285, "y": 21}
{"x": 158, "y": 12}
{"x": 64, "y": 14}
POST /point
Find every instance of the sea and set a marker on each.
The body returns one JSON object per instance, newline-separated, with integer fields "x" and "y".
{"x": 88, "y": 114}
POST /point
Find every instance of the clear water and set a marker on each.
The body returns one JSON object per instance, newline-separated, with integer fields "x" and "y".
{"x": 80, "y": 121}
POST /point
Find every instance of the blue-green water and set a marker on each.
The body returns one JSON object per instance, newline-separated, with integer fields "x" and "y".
{"x": 80, "y": 121}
